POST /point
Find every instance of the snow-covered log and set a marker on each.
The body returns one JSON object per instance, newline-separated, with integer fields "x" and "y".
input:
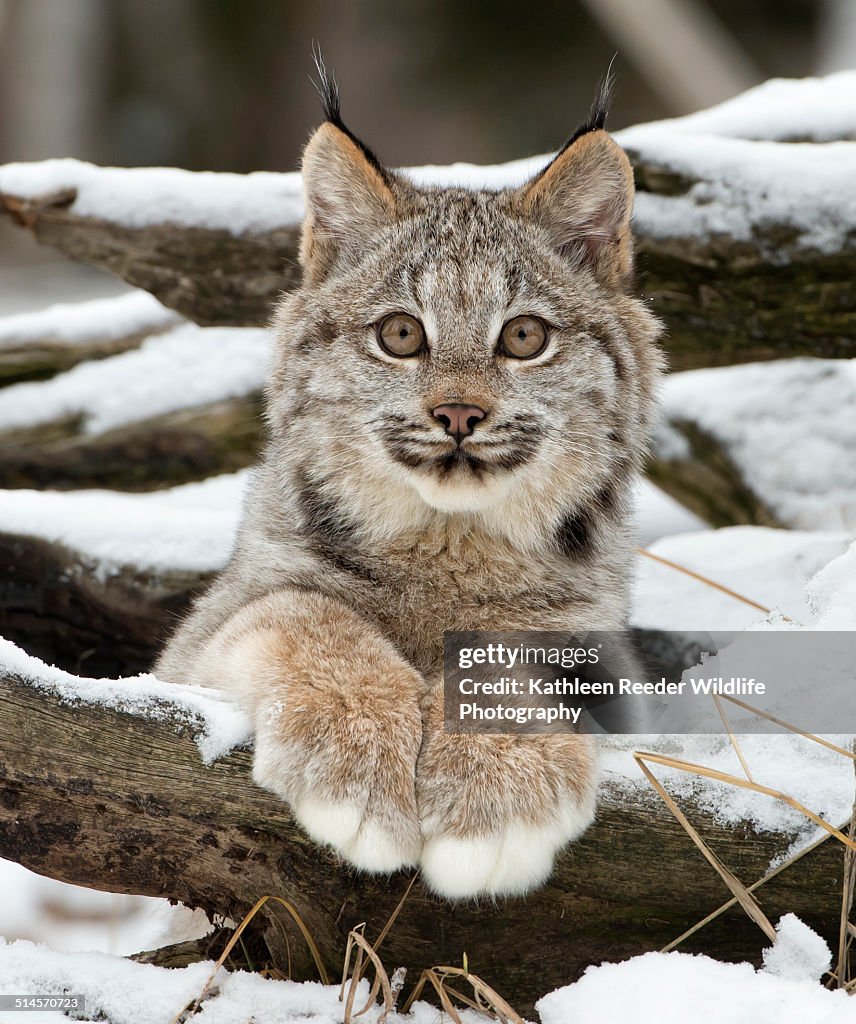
{"x": 37, "y": 345}
{"x": 184, "y": 405}
{"x": 766, "y": 445}
{"x": 173, "y": 448}
{"x": 94, "y": 581}
{"x": 747, "y": 239}
{"x": 134, "y": 786}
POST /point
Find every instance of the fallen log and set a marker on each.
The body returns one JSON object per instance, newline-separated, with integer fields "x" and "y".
{"x": 178, "y": 447}
{"x": 119, "y": 799}
{"x": 731, "y": 448}
{"x": 63, "y": 608}
{"x": 704, "y": 479}
{"x": 34, "y": 346}
{"x": 183, "y": 407}
{"x": 94, "y": 581}
{"x": 209, "y": 275}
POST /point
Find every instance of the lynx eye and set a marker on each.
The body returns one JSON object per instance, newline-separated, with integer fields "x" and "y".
{"x": 401, "y": 335}
{"x": 523, "y": 337}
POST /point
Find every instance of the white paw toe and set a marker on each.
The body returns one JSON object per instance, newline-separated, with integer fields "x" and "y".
{"x": 525, "y": 860}
{"x": 456, "y": 867}
{"x": 507, "y": 863}
{"x": 329, "y": 822}
{"x": 365, "y": 844}
{"x": 377, "y": 850}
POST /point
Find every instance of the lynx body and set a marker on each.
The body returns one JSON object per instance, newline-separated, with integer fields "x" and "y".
{"x": 460, "y": 401}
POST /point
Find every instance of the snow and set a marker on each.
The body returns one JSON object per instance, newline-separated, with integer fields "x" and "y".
{"x": 771, "y": 567}
{"x": 817, "y": 777}
{"x": 73, "y": 918}
{"x": 218, "y": 725}
{"x": 658, "y": 515}
{"x": 807, "y": 575}
{"x": 73, "y": 324}
{"x": 139, "y": 197}
{"x": 831, "y": 593}
{"x": 777, "y": 423}
{"x": 189, "y": 528}
{"x": 187, "y": 367}
{"x": 733, "y": 193}
{"x": 673, "y": 988}
{"x": 798, "y": 953}
{"x": 125, "y": 992}
{"x": 656, "y": 988}
{"x": 121, "y": 991}
{"x": 783, "y": 109}
{"x": 732, "y": 196}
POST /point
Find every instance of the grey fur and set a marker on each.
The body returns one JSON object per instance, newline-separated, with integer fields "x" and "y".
{"x": 362, "y": 498}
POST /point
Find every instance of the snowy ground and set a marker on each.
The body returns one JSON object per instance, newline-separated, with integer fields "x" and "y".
{"x": 655, "y": 988}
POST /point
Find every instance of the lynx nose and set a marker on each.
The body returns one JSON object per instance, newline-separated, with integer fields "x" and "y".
{"x": 459, "y": 420}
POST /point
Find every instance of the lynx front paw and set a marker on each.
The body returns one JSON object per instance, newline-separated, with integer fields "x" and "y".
{"x": 349, "y": 781}
{"x": 366, "y": 842}
{"x": 508, "y": 861}
{"x": 495, "y": 811}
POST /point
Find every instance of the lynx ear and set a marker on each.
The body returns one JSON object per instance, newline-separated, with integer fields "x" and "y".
{"x": 347, "y": 196}
{"x": 584, "y": 199}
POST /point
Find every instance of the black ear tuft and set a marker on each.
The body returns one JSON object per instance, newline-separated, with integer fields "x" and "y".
{"x": 599, "y": 108}
{"x": 327, "y": 88}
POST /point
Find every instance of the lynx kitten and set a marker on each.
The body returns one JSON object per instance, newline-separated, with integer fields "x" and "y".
{"x": 460, "y": 402}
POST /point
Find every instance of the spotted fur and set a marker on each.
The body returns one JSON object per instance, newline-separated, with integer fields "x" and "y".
{"x": 369, "y": 532}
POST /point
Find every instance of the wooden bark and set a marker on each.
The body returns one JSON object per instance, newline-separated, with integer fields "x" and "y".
{"x": 708, "y": 483}
{"x": 723, "y": 301}
{"x": 726, "y": 301}
{"x": 46, "y": 358}
{"x": 178, "y": 447}
{"x": 210, "y": 276}
{"x": 113, "y": 801}
{"x": 56, "y": 604}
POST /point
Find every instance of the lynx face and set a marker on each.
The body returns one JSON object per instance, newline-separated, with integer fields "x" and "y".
{"x": 463, "y": 351}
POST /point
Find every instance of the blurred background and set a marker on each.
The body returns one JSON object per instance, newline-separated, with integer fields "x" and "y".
{"x": 224, "y": 84}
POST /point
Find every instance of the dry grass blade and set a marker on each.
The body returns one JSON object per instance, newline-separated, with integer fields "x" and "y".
{"x": 394, "y": 915}
{"x": 381, "y": 979}
{"x": 487, "y": 1000}
{"x": 706, "y": 581}
{"x": 791, "y": 728}
{"x": 750, "y": 888}
{"x": 430, "y": 976}
{"x": 848, "y": 886}
{"x": 356, "y": 938}
{"x": 733, "y": 739}
{"x": 734, "y": 780}
{"x": 741, "y": 893}
{"x": 239, "y": 931}
{"x": 346, "y": 966}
